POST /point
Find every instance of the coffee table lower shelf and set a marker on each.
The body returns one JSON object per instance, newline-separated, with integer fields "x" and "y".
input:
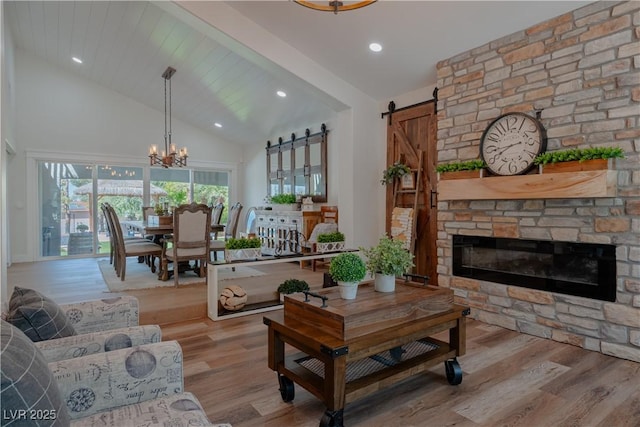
{"x": 362, "y": 374}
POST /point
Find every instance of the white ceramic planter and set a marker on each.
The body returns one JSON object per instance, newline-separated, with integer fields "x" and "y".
{"x": 329, "y": 247}
{"x": 242, "y": 254}
{"x": 284, "y": 207}
{"x": 385, "y": 282}
{"x": 348, "y": 290}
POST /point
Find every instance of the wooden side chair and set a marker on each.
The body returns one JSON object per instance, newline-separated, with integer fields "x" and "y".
{"x": 135, "y": 248}
{"x": 328, "y": 224}
{"x": 329, "y": 214}
{"x": 216, "y": 217}
{"x": 230, "y": 230}
{"x": 190, "y": 240}
{"x": 146, "y": 211}
{"x": 112, "y": 241}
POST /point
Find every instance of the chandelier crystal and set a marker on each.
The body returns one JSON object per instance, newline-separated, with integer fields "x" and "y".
{"x": 169, "y": 157}
{"x": 334, "y": 6}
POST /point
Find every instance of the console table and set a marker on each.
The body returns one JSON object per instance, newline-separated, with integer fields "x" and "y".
{"x": 214, "y": 286}
{"x": 351, "y": 348}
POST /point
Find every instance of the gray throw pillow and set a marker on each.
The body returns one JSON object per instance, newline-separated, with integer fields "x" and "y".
{"x": 37, "y": 316}
{"x": 29, "y": 393}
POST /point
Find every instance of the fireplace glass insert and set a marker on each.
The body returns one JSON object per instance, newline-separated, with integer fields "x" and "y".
{"x": 581, "y": 269}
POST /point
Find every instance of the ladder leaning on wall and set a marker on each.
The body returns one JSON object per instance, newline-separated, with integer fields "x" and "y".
{"x": 403, "y": 217}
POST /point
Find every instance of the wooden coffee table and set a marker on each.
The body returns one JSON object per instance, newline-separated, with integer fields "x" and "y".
{"x": 351, "y": 348}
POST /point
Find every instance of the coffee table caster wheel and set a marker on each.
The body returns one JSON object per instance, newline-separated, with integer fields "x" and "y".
{"x": 332, "y": 419}
{"x": 454, "y": 371}
{"x": 287, "y": 390}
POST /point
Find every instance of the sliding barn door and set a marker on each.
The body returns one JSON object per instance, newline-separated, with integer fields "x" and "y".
{"x": 412, "y": 131}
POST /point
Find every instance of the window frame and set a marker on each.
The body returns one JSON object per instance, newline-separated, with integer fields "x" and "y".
{"x": 286, "y": 174}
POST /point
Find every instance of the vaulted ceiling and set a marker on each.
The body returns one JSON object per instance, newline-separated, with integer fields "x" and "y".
{"x": 126, "y": 46}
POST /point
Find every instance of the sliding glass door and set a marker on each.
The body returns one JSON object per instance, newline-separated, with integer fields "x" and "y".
{"x": 70, "y": 218}
{"x": 65, "y": 212}
{"x": 123, "y": 188}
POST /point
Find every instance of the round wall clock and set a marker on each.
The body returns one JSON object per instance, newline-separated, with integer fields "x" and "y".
{"x": 511, "y": 142}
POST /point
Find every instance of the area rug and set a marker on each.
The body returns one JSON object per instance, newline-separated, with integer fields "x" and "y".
{"x": 139, "y": 276}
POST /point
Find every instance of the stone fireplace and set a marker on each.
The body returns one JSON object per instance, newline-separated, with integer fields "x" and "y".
{"x": 582, "y": 69}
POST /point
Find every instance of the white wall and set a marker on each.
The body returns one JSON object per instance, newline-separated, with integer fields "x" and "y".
{"x": 67, "y": 116}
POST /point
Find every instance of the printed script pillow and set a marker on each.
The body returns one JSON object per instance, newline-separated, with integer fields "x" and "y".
{"x": 29, "y": 394}
{"x": 37, "y": 316}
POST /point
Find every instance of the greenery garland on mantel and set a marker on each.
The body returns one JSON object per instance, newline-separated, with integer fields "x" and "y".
{"x": 579, "y": 155}
{"x": 548, "y": 157}
{"x": 469, "y": 165}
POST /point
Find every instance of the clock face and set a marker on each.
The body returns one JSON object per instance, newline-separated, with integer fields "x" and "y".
{"x": 511, "y": 142}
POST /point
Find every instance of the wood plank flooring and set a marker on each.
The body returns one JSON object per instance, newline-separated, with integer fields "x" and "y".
{"x": 510, "y": 379}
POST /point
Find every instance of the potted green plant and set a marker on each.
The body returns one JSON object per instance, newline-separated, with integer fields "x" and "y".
{"x": 348, "y": 270}
{"x": 578, "y": 159}
{"x": 387, "y": 260}
{"x": 285, "y": 202}
{"x": 291, "y": 286}
{"x": 330, "y": 242}
{"x": 461, "y": 170}
{"x": 393, "y": 172}
{"x": 242, "y": 249}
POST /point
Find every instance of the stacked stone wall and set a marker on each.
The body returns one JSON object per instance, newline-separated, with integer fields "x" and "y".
{"x": 582, "y": 69}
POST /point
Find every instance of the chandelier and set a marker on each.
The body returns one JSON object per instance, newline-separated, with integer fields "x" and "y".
{"x": 169, "y": 156}
{"x": 334, "y": 6}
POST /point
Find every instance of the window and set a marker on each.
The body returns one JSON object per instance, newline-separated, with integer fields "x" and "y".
{"x": 210, "y": 188}
{"x": 171, "y": 186}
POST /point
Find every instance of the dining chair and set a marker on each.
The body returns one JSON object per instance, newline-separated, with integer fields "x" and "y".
{"x": 135, "y": 248}
{"x": 146, "y": 211}
{"x": 216, "y": 216}
{"x": 112, "y": 242}
{"x": 229, "y": 230}
{"x": 190, "y": 240}
{"x": 329, "y": 214}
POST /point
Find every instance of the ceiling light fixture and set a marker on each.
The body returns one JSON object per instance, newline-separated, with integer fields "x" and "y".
{"x": 75, "y": 59}
{"x": 281, "y": 94}
{"x": 334, "y": 6}
{"x": 375, "y": 47}
{"x": 169, "y": 155}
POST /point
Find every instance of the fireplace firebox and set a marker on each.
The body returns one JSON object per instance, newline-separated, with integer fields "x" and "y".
{"x": 581, "y": 269}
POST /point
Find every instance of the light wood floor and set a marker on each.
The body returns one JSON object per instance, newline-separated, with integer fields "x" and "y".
{"x": 509, "y": 379}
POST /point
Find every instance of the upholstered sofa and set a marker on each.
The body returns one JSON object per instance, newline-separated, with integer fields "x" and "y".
{"x": 141, "y": 385}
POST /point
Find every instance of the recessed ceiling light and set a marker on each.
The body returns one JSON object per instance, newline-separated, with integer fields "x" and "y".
{"x": 281, "y": 94}
{"x": 218, "y": 125}
{"x": 78, "y": 60}
{"x": 375, "y": 47}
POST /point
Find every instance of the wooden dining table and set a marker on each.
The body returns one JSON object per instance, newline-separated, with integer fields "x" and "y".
{"x": 157, "y": 231}
{"x": 146, "y": 229}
